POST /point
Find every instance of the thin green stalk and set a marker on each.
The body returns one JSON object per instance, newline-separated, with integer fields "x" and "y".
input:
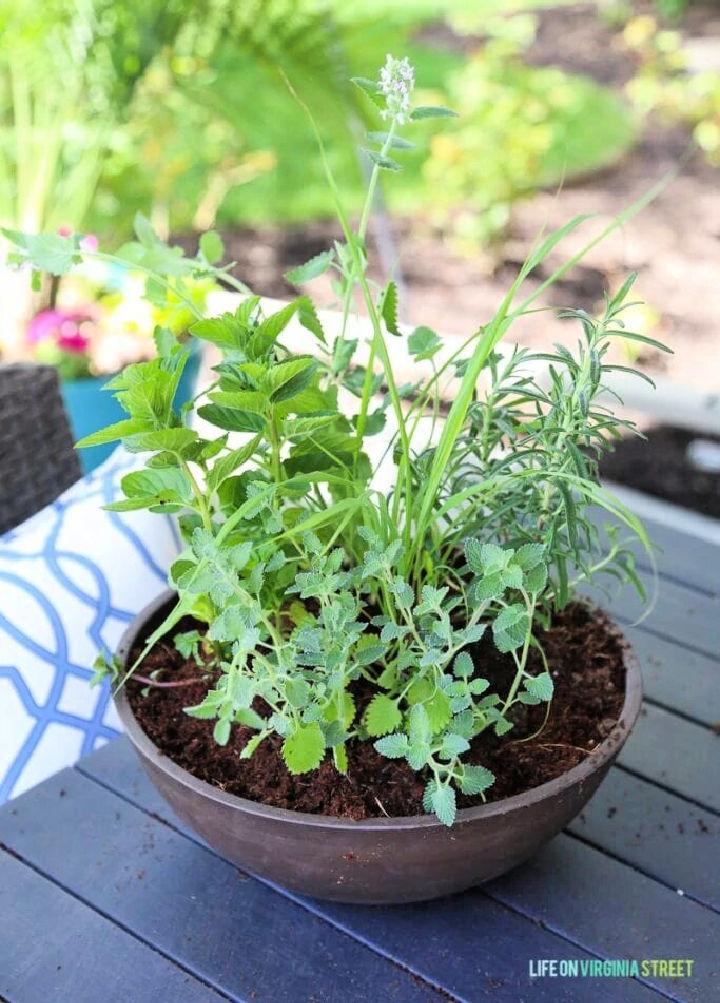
{"x": 378, "y": 342}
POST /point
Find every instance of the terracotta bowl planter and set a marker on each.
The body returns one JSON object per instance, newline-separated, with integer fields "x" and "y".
{"x": 378, "y": 860}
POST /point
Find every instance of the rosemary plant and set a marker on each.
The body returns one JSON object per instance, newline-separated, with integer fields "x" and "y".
{"x": 307, "y": 577}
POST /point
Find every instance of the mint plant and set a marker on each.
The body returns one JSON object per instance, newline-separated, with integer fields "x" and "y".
{"x": 308, "y": 578}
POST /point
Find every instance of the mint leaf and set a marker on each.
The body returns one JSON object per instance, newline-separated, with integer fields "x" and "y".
{"x": 476, "y": 780}
{"x": 540, "y": 686}
{"x": 304, "y": 748}
{"x": 382, "y": 715}
{"x": 440, "y": 800}
{"x": 388, "y": 308}
{"x": 393, "y": 746}
{"x": 510, "y": 627}
{"x": 311, "y": 269}
{"x": 423, "y": 343}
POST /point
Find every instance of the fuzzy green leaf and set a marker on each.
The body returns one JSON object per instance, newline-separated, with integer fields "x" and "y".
{"x": 311, "y": 269}
{"x": 48, "y": 252}
{"x": 290, "y": 378}
{"x": 476, "y": 779}
{"x": 423, "y": 343}
{"x": 307, "y": 316}
{"x": 463, "y": 666}
{"x": 304, "y": 748}
{"x": 510, "y": 627}
{"x": 473, "y": 556}
{"x": 382, "y": 715}
{"x": 396, "y": 143}
{"x": 297, "y": 692}
{"x": 388, "y": 308}
{"x": 536, "y": 579}
{"x": 529, "y": 555}
{"x": 221, "y": 731}
{"x": 453, "y": 745}
{"x": 392, "y": 746}
{"x": 371, "y": 89}
{"x": 440, "y": 800}
{"x": 540, "y": 686}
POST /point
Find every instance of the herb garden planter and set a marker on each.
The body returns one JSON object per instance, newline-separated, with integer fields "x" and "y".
{"x": 347, "y": 647}
{"x": 384, "y": 860}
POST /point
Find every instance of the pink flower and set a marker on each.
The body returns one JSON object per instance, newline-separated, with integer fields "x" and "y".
{"x": 69, "y": 329}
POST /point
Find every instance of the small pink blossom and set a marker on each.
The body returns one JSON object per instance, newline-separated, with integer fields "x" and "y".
{"x": 69, "y": 329}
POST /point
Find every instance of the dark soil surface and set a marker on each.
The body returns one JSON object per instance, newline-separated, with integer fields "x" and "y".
{"x": 663, "y": 465}
{"x": 586, "y": 657}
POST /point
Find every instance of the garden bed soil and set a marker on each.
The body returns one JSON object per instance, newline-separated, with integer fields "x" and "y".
{"x": 586, "y": 655}
{"x": 662, "y": 465}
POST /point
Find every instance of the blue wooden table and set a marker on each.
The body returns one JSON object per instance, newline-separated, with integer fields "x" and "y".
{"x": 105, "y": 895}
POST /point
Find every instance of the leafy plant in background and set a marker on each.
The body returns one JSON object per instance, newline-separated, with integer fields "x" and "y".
{"x": 666, "y": 84}
{"x": 307, "y": 577}
{"x": 520, "y": 129}
{"x": 68, "y": 70}
{"x": 67, "y": 75}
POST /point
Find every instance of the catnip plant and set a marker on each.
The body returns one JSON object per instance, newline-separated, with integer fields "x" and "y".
{"x": 307, "y": 580}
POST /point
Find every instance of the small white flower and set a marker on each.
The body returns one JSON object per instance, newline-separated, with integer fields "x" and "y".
{"x": 397, "y": 79}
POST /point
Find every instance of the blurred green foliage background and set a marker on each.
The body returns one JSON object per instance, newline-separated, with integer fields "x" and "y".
{"x": 178, "y": 108}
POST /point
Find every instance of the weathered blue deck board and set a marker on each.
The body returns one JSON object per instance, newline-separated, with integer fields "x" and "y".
{"x": 679, "y": 615}
{"x": 235, "y": 933}
{"x": 478, "y": 950}
{"x": 469, "y": 944}
{"x": 679, "y": 557}
{"x": 686, "y": 558}
{"x": 657, "y": 832}
{"x": 55, "y": 948}
{"x": 677, "y": 678}
{"x": 631, "y": 885}
{"x": 677, "y": 754}
{"x": 617, "y": 912}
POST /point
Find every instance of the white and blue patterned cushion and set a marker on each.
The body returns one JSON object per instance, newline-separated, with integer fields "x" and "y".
{"x": 71, "y": 578}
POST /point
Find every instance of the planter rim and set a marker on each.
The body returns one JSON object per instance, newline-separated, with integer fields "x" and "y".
{"x": 593, "y": 761}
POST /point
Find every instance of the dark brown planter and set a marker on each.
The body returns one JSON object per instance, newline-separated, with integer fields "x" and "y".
{"x": 379, "y": 860}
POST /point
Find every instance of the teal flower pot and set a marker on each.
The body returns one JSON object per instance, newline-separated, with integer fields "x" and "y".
{"x": 90, "y": 407}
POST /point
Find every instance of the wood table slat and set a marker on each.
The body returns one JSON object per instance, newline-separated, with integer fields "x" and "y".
{"x": 680, "y": 679}
{"x": 616, "y": 912}
{"x": 55, "y": 948}
{"x": 686, "y": 558}
{"x": 467, "y": 943}
{"x": 237, "y": 934}
{"x": 681, "y": 557}
{"x": 677, "y": 754}
{"x": 686, "y": 618}
{"x": 663, "y": 835}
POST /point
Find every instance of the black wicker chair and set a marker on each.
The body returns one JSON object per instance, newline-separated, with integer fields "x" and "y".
{"x": 37, "y": 458}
